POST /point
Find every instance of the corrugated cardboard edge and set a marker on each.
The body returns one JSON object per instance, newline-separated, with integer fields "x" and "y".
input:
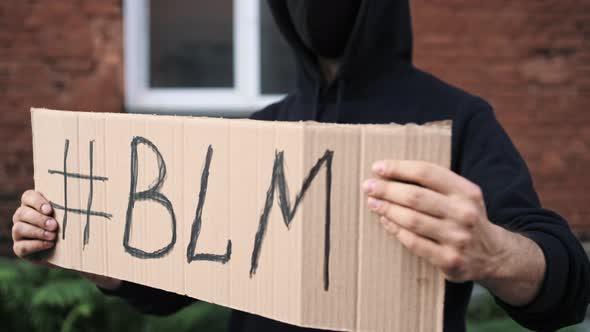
{"x": 442, "y": 124}
{"x": 34, "y": 141}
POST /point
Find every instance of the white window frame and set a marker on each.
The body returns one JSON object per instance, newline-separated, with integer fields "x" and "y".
{"x": 240, "y": 100}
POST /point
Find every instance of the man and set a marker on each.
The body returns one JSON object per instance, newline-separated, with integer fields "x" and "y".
{"x": 480, "y": 221}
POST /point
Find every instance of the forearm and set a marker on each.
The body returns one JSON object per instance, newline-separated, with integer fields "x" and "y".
{"x": 518, "y": 271}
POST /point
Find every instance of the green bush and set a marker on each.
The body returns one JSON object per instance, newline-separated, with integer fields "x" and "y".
{"x": 34, "y": 298}
{"x": 484, "y": 315}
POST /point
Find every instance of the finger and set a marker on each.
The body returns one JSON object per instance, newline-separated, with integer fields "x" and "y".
{"x": 31, "y": 216}
{"x": 430, "y": 175}
{"x": 421, "y": 246}
{"x": 465, "y": 213}
{"x": 389, "y": 226}
{"x": 24, "y": 248}
{"x": 414, "y": 221}
{"x": 35, "y": 200}
{"x": 409, "y": 195}
{"x": 443, "y": 257}
{"x": 21, "y": 230}
{"x": 443, "y": 231}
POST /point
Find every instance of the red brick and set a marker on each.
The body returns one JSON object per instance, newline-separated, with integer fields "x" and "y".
{"x": 102, "y": 8}
{"x": 63, "y": 55}
{"x": 529, "y": 59}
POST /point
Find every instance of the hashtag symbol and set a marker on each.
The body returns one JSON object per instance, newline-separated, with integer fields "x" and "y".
{"x": 91, "y": 178}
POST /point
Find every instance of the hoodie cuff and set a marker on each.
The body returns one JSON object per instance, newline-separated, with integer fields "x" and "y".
{"x": 554, "y": 284}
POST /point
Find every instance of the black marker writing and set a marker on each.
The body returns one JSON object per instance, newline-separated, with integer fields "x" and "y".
{"x": 288, "y": 212}
{"x": 196, "y": 228}
{"x": 91, "y": 178}
{"x": 90, "y": 194}
{"x": 151, "y": 194}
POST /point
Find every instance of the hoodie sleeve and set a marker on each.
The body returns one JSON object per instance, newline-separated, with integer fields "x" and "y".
{"x": 149, "y": 300}
{"x": 484, "y": 154}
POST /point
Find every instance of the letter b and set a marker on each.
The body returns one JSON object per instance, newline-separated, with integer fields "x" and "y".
{"x": 151, "y": 194}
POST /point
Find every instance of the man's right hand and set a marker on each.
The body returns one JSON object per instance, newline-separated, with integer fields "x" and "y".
{"x": 34, "y": 230}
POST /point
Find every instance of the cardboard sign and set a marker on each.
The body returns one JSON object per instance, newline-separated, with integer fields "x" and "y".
{"x": 264, "y": 217}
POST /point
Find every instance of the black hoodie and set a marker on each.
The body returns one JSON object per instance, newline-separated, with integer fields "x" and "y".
{"x": 377, "y": 83}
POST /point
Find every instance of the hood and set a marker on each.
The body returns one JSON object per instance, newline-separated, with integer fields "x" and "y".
{"x": 380, "y": 42}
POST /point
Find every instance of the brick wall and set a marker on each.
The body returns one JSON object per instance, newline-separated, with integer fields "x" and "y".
{"x": 58, "y": 54}
{"x": 530, "y": 59}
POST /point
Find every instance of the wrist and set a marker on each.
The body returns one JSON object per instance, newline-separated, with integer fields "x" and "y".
{"x": 501, "y": 254}
{"x": 511, "y": 278}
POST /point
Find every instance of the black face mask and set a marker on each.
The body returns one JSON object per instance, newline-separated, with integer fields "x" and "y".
{"x": 324, "y": 26}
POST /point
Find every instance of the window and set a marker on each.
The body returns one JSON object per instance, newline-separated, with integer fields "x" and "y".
{"x": 214, "y": 57}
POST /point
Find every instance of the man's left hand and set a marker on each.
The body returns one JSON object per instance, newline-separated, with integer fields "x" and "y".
{"x": 438, "y": 215}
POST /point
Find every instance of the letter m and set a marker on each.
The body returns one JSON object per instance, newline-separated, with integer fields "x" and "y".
{"x": 279, "y": 183}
